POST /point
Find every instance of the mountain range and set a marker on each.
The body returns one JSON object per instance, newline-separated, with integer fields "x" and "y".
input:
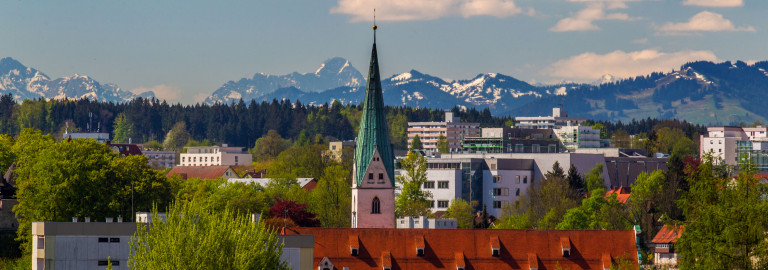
{"x": 28, "y": 83}
{"x": 700, "y": 92}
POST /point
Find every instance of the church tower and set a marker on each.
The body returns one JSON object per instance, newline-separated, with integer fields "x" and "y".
{"x": 373, "y": 185}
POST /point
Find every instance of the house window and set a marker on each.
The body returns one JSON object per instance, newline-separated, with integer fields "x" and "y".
{"x": 442, "y": 184}
{"x": 381, "y": 176}
{"x": 497, "y": 179}
{"x": 518, "y": 148}
{"x": 442, "y": 204}
{"x": 500, "y": 192}
{"x": 496, "y": 204}
{"x": 103, "y": 240}
{"x": 114, "y": 240}
{"x": 525, "y": 179}
{"x": 376, "y": 206}
{"x": 431, "y": 204}
{"x": 517, "y": 179}
{"x": 429, "y": 184}
{"x": 517, "y": 193}
{"x": 333, "y": 147}
{"x": 370, "y": 176}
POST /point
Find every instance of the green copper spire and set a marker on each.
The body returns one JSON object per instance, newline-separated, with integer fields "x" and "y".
{"x": 373, "y": 134}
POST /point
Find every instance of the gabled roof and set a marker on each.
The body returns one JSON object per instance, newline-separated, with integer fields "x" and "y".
{"x": 668, "y": 234}
{"x": 125, "y": 149}
{"x": 622, "y": 194}
{"x": 202, "y": 172}
{"x": 374, "y": 134}
{"x": 588, "y": 247}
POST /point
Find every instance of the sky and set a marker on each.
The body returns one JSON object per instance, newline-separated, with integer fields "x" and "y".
{"x": 185, "y": 50}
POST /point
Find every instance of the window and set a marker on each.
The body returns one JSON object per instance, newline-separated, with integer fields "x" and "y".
{"x": 518, "y": 148}
{"x": 525, "y": 179}
{"x": 442, "y": 184}
{"x": 376, "y": 206}
{"x": 517, "y": 193}
{"x": 442, "y": 204}
{"x": 370, "y": 176}
{"x": 535, "y": 148}
{"x": 496, "y": 204}
{"x": 103, "y": 240}
{"x": 431, "y": 204}
{"x": 40, "y": 242}
{"x": 381, "y": 176}
{"x": 333, "y": 147}
{"x": 429, "y": 184}
{"x": 206, "y": 159}
{"x": 114, "y": 240}
{"x": 517, "y": 179}
{"x": 497, "y": 179}
{"x": 500, "y": 192}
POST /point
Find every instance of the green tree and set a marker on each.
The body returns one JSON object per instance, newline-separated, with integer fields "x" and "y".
{"x": 463, "y": 212}
{"x": 153, "y": 145}
{"x": 416, "y": 143}
{"x": 594, "y": 179}
{"x": 300, "y": 162}
{"x": 557, "y": 171}
{"x": 544, "y": 205}
{"x": 646, "y": 193}
{"x": 576, "y": 181}
{"x": 269, "y": 146}
{"x": 193, "y": 237}
{"x": 596, "y": 213}
{"x": 442, "y": 144}
{"x": 177, "y": 137}
{"x": 331, "y": 197}
{"x": 6, "y": 152}
{"x": 124, "y": 129}
{"x": 725, "y": 221}
{"x": 413, "y": 201}
{"x": 84, "y": 178}
{"x": 398, "y": 129}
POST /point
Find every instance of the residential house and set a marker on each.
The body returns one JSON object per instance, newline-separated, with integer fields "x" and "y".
{"x": 306, "y": 183}
{"x": 203, "y": 172}
{"x": 664, "y": 253}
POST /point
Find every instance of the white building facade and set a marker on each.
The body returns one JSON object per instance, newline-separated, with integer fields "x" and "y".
{"x": 215, "y": 156}
{"x": 453, "y": 129}
{"x": 423, "y": 222}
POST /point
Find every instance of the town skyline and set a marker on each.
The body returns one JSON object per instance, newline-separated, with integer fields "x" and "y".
{"x": 184, "y": 51}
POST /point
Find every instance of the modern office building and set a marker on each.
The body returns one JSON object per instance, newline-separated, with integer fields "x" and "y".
{"x": 215, "y": 156}
{"x": 423, "y": 222}
{"x": 160, "y": 159}
{"x": 578, "y": 137}
{"x": 728, "y": 144}
{"x": 452, "y": 128}
{"x": 513, "y": 140}
{"x": 559, "y": 118}
{"x": 81, "y": 245}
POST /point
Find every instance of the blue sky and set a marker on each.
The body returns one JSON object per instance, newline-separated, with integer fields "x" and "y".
{"x": 184, "y": 50}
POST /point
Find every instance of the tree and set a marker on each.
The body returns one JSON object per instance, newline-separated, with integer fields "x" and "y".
{"x": 416, "y": 143}
{"x": 556, "y": 171}
{"x": 594, "y": 179}
{"x": 218, "y": 195}
{"x": 269, "y": 146}
{"x": 544, "y": 204}
{"x": 6, "y": 152}
{"x": 193, "y": 237}
{"x": 299, "y": 162}
{"x": 294, "y": 211}
{"x": 462, "y": 211}
{"x": 642, "y": 204}
{"x": 725, "y": 221}
{"x": 596, "y": 213}
{"x": 331, "y": 197}
{"x": 442, "y": 144}
{"x": 576, "y": 181}
{"x": 84, "y": 178}
{"x": 413, "y": 201}
{"x": 177, "y": 137}
{"x": 123, "y": 130}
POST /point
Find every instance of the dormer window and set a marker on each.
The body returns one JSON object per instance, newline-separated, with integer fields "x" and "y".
{"x": 420, "y": 245}
{"x": 354, "y": 245}
{"x": 495, "y": 246}
{"x": 325, "y": 264}
{"x": 565, "y": 246}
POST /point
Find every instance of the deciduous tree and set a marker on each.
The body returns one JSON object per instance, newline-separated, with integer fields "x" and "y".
{"x": 331, "y": 198}
{"x": 442, "y": 144}
{"x": 462, "y": 211}
{"x": 413, "y": 201}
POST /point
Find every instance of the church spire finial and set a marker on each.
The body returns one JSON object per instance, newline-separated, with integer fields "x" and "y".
{"x": 374, "y": 25}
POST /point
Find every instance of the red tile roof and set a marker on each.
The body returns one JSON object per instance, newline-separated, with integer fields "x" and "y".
{"x": 622, "y": 194}
{"x": 448, "y": 248}
{"x": 668, "y": 234}
{"x": 202, "y": 172}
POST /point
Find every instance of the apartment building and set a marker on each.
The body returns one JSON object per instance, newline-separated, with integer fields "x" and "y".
{"x": 558, "y": 118}
{"x": 452, "y": 128}
{"x": 215, "y": 156}
{"x": 513, "y": 140}
{"x": 728, "y": 144}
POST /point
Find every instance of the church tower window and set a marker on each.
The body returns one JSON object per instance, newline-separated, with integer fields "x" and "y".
{"x": 376, "y": 206}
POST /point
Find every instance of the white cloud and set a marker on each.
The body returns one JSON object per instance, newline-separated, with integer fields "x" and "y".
{"x": 412, "y": 10}
{"x": 583, "y": 20}
{"x": 591, "y": 66}
{"x": 162, "y": 91}
{"x": 704, "y": 21}
{"x": 640, "y": 41}
{"x": 714, "y": 3}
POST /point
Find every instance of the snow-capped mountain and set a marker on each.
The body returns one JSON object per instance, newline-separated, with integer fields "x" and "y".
{"x": 333, "y": 73}
{"x": 28, "y": 83}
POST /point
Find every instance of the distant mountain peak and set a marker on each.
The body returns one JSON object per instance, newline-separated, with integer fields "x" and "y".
{"x": 606, "y": 78}
{"x": 335, "y": 65}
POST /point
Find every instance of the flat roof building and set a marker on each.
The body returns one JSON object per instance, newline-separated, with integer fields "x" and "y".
{"x": 452, "y": 128}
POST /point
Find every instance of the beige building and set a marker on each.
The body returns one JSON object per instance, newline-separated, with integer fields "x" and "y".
{"x": 339, "y": 149}
{"x": 452, "y": 128}
{"x": 215, "y": 156}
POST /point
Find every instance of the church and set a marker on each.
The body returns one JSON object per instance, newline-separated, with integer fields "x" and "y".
{"x": 373, "y": 185}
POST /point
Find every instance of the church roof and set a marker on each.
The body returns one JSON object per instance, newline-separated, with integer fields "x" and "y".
{"x": 373, "y": 134}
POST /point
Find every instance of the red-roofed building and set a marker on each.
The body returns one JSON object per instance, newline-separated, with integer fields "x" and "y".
{"x": 664, "y": 245}
{"x": 125, "y": 149}
{"x": 203, "y": 172}
{"x": 379, "y": 248}
{"x": 622, "y": 194}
